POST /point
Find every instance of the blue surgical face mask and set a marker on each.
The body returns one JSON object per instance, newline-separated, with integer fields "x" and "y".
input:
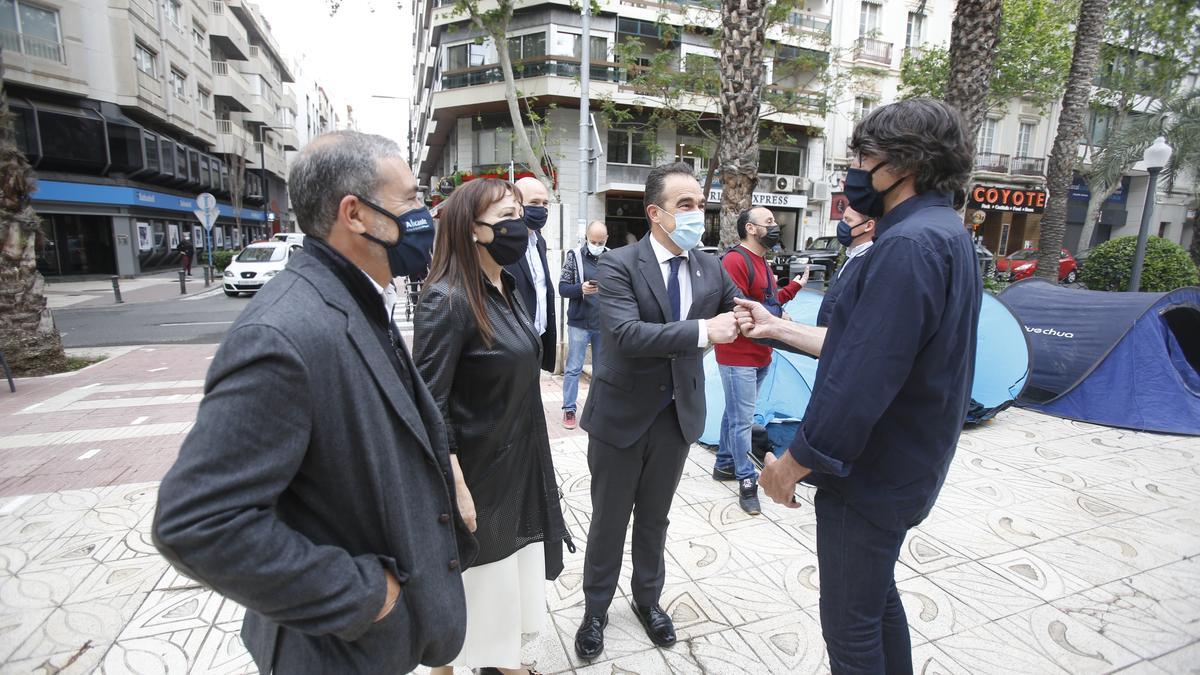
{"x": 689, "y": 228}
{"x": 595, "y": 249}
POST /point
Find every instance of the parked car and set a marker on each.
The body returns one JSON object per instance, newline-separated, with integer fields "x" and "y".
{"x": 289, "y": 237}
{"x": 824, "y": 251}
{"x": 256, "y": 265}
{"x": 1022, "y": 264}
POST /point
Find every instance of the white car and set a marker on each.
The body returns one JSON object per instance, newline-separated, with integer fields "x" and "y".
{"x": 289, "y": 237}
{"x": 256, "y": 265}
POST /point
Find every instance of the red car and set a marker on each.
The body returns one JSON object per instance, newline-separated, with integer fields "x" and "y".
{"x": 1022, "y": 264}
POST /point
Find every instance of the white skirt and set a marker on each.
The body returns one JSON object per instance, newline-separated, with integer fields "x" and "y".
{"x": 505, "y": 600}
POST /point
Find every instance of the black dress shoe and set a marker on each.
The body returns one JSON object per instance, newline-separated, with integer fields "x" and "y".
{"x": 589, "y": 639}
{"x": 659, "y": 627}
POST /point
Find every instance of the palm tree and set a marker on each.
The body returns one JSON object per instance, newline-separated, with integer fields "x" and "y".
{"x": 1089, "y": 33}
{"x": 973, "y": 39}
{"x": 1178, "y": 120}
{"x": 744, "y": 26}
{"x": 28, "y": 338}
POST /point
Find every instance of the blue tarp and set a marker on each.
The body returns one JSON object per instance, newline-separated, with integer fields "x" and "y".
{"x": 1001, "y": 366}
{"x": 1120, "y": 359}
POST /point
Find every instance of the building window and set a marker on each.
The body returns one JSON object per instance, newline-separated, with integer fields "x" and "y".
{"x": 781, "y": 161}
{"x": 631, "y": 145}
{"x": 868, "y": 19}
{"x": 985, "y": 143}
{"x": 199, "y": 37}
{"x": 31, "y": 30}
{"x": 525, "y": 47}
{"x": 179, "y": 84}
{"x": 914, "y": 37}
{"x": 147, "y": 60}
{"x": 1025, "y": 138}
{"x": 598, "y": 48}
{"x": 205, "y": 97}
{"x": 863, "y": 107}
{"x": 175, "y": 12}
{"x": 466, "y": 56}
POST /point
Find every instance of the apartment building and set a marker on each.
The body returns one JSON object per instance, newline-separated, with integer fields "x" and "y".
{"x": 462, "y": 124}
{"x": 127, "y": 109}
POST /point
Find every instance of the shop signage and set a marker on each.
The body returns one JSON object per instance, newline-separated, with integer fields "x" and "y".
{"x": 1079, "y": 191}
{"x": 999, "y": 198}
{"x": 767, "y": 199}
{"x": 117, "y": 195}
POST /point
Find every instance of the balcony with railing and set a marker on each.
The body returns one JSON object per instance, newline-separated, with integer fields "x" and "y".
{"x": 792, "y": 98}
{"x": 992, "y": 162}
{"x": 1029, "y": 166}
{"x": 875, "y": 51}
{"x": 225, "y": 31}
{"x": 51, "y": 50}
{"x": 542, "y": 66}
{"x": 231, "y": 87}
{"x": 808, "y": 23}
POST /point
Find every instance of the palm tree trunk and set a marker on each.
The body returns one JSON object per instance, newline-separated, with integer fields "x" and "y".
{"x": 973, "y": 39}
{"x": 1089, "y": 33}
{"x": 744, "y": 24}
{"x": 28, "y": 338}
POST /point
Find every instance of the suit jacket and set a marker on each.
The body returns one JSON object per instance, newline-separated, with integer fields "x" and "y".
{"x": 309, "y": 471}
{"x": 524, "y": 276}
{"x": 645, "y": 352}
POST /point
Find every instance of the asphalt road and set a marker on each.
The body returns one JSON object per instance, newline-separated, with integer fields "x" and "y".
{"x": 197, "y": 320}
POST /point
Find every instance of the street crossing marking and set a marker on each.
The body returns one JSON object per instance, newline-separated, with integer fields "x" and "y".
{"x": 13, "y": 504}
{"x": 138, "y": 421}
{"x": 76, "y": 399}
{"x": 156, "y": 370}
{"x": 93, "y": 435}
{"x": 90, "y": 453}
{"x": 196, "y": 323}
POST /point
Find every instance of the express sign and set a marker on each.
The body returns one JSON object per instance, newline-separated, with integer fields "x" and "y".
{"x": 995, "y": 198}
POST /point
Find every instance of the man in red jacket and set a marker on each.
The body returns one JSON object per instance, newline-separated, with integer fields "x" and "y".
{"x": 743, "y": 363}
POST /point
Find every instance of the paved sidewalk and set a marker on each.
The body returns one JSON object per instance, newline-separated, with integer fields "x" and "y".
{"x": 145, "y": 288}
{"x": 1056, "y": 547}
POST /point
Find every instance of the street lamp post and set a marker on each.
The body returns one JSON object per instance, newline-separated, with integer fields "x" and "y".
{"x": 1155, "y": 158}
{"x": 262, "y": 170}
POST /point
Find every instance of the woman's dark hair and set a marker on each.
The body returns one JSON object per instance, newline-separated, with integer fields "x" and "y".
{"x": 919, "y": 135}
{"x": 455, "y": 254}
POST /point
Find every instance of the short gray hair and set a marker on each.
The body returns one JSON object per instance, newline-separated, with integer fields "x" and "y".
{"x": 332, "y": 166}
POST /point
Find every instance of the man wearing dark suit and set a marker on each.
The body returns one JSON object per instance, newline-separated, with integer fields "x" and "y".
{"x": 532, "y": 271}
{"x": 334, "y": 524}
{"x": 661, "y": 304}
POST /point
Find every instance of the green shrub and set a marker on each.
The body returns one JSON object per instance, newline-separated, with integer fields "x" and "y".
{"x": 221, "y": 259}
{"x": 1167, "y": 266}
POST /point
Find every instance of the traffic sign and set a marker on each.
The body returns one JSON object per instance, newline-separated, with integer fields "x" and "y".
{"x": 207, "y": 213}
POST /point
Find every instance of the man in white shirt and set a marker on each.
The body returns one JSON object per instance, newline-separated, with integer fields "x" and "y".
{"x": 532, "y": 272}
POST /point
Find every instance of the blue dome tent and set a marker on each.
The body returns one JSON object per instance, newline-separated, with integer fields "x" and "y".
{"x": 1001, "y": 366}
{"x": 1120, "y": 359}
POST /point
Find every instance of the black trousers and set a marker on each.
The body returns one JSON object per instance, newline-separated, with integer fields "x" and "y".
{"x": 639, "y": 480}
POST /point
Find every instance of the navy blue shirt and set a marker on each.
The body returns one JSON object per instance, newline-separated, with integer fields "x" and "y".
{"x": 894, "y": 381}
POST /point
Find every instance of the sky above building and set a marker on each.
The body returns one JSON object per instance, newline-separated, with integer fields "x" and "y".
{"x": 362, "y": 56}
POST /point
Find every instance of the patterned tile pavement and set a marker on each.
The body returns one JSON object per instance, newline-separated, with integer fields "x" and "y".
{"x": 1056, "y": 547}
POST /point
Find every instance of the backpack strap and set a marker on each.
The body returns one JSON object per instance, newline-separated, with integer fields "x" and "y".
{"x": 749, "y": 263}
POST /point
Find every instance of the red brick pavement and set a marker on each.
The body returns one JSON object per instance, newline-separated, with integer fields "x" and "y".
{"x": 40, "y": 406}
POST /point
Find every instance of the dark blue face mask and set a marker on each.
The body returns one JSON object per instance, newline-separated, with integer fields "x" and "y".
{"x": 410, "y": 254}
{"x": 536, "y": 216}
{"x": 861, "y": 193}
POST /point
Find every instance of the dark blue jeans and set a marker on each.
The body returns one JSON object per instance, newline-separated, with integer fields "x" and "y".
{"x": 862, "y": 619}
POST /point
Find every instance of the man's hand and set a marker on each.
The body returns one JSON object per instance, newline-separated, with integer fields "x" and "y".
{"x": 590, "y": 287}
{"x": 779, "y": 478}
{"x": 462, "y": 495}
{"x": 802, "y": 279}
{"x": 391, "y": 597}
{"x": 753, "y": 320}
{"x": 722, "y": 329}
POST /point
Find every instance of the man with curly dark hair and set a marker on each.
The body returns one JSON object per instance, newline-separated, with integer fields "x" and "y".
{"x": 894, "y": 381}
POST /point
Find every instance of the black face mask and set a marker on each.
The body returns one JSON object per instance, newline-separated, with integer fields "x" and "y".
{"x": 510, "y": 243}
{"x": 536, "y": 216}
{"x": 409, "y": 255}
{"x": 771, "y": 238}
{"x": 861, "y": 192}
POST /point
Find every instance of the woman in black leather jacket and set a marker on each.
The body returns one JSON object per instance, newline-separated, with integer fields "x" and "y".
{"x": 477, "y": 349}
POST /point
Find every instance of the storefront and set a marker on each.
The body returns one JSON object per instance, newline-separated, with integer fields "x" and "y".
{"x": 116, "y": 229}
{"x": 1011, "y": 216}
{"x": 788, "y": 210}
{"x": 1112, "y": 213}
